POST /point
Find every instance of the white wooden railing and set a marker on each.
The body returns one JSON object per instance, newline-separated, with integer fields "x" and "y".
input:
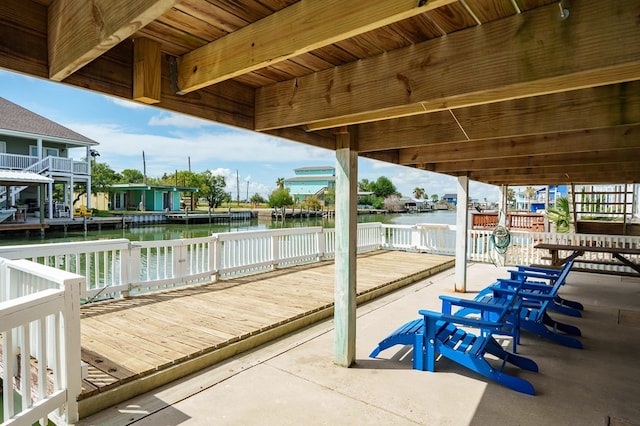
{"x": 33, "y": 164}
{"x": 116, "y": 268}
{"x": 40, "y": 297}
{"x": 40, "y": 343}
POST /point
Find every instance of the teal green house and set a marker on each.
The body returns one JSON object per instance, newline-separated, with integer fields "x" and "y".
{"x": 310, "y": 181}
{"x": 151, "y": 198}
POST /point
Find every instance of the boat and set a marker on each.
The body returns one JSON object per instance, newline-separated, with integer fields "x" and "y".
{"x": 6, "y": 214}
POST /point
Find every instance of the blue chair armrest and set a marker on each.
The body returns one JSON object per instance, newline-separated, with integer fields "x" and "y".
{"x": 466, "y": 321}
{"x": 508, "y": 283}
{"x": 449, "y": 301}
{"x": 526, "y": 285}
{"x": 524, "y": 294}
{"x": 538, "y": 275}
{"x": 550, "y": 271}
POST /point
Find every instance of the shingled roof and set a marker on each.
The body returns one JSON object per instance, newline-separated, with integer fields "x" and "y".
{"x": 15, "y": 118}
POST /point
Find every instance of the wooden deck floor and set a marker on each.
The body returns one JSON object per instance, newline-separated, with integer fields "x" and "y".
{"x": 137, "y": 344}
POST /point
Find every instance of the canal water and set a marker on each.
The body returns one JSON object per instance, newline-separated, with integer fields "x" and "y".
{"x": 159, "y": 232}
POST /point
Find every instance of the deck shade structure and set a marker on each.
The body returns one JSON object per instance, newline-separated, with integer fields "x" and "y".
{"x": 506, "y": 92}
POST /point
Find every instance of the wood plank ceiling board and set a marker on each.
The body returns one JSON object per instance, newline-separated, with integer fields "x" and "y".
{"x": 543, "y": 63}
{"x": 263, "y": 43}
{"x": 80, "y": 31}
{"x": 488, "y": 11}
{"x": 467, "y": 76}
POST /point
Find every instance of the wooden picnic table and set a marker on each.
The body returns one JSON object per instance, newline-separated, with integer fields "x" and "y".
{"x": 616, "y": 252}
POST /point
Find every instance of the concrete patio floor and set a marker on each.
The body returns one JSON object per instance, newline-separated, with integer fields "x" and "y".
{"x": 293, "y": 381}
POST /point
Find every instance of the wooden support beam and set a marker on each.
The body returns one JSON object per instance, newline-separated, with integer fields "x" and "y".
{"x": 147, "y": 74}
{"x": 591, "y": 159}
{"x": 590, "y": 108}
{"x": 227, "y": 103}
{"x": 390, "y": 156}
{"x": 569, "y": 171}
{"x": 322, "y": 139}
{"x": 292, "y": 31}
{"x": 592, "y": 177}
{"x": 80, "y": 30}
{"x": 462, "y": 225}
{"x": 616, "y": 138}
{"x": 530, "y": 54}
{"x": 346, "y": 247}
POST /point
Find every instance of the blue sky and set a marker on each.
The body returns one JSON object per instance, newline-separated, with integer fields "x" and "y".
{"x": 124, "y": 129}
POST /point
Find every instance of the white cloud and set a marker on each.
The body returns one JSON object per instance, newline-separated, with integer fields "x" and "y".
{"x": 179, "y": 120}
{"x": 127, "y": 104}
{"x": 204, "y": 148}
{"x": 407, "y": 178}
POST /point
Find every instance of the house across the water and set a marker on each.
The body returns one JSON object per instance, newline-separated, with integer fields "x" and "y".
{"x": 311, "y": 181}
{"x": 38, "y": 149}
{"x": 142, "y": 197}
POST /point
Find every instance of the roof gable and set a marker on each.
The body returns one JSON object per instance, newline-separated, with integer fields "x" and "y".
{"x": 16, "y": 119}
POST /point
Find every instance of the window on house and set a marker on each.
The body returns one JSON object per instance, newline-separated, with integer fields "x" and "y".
{"x": 48, "y": 152}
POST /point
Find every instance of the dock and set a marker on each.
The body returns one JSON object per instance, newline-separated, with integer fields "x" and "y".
{"x": 137, "y": 344}
{"x": 190, "y": 217}
{"x": 65, "y": 224}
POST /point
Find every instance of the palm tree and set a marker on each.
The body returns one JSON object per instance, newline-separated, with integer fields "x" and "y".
{"x": 418, "y": 193}
{"x": 280, "y": 183}
{"x": 530, "y": 192}
{"x": 511, "y": 196}
{"x": 560, "y": 215}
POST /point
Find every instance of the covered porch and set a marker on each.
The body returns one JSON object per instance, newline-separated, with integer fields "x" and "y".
{"x": 293, "y": 381}
{"x": 502, "y": 92}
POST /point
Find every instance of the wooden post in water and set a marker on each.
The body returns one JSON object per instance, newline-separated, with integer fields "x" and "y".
{"x": 462, "y": 225}
{"x": 346, "y": 248}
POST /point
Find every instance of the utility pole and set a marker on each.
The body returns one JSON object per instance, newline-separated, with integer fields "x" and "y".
{"x": 143, "y": 201}
{"x": 247, "y": 190}
{"x": 237, "y": 188}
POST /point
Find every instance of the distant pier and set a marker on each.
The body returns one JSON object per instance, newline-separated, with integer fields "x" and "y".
{"x": 190, "y": 217}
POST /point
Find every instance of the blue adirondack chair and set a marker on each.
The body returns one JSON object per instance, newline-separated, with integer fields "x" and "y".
{"x": 531, "y": 314}
{"x": 549, "y": 276}
{"x": 544, "y": 276}
{"x": 438, "y": 333}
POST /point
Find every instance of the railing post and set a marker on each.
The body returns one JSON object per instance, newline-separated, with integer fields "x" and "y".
{"x": 215, "y": 249}
{"x": 133, "y": 267}
{"x": 73, "y": 369}
{"x": 382, "y": 236}
{"x": 416, "y": 240}
{"x": 320, "y": 236}
{"x": 275, "y": 251}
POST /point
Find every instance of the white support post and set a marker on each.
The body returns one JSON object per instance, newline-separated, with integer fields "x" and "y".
{"x": 71, "y": 195}
{"x": 89, "y": 157}
{"x": 50, "y": 199}
{"x": 503, "y": 212}
{"x": 462, "y": 224}
{"x": 346, "y": 248}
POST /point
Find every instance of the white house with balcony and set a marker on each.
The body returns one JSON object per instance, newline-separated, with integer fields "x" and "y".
{"x": 30, "y": 143}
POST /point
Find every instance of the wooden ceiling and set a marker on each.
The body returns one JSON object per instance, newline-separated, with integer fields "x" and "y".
{"x": 517, "y": 92}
